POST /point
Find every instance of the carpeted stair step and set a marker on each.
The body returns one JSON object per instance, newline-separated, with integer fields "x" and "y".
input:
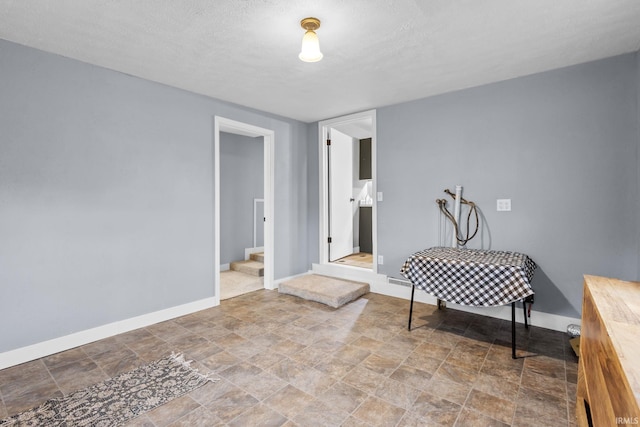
{"x": 258, "y": 256}
{"x": 254, "y": 268}
{"x": 326, "y": 290}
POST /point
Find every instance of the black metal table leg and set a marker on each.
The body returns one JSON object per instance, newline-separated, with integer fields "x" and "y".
{"x": 513, "y": 330}
{"x": 524, "y": 306}
{"x": 413, "y": 289}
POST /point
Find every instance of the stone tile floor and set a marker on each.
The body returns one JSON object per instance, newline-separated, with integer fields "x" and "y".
{"x": 286, "y": 361}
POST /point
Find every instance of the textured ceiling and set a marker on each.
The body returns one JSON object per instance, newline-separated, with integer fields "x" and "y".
{"x": 376, "y": 52}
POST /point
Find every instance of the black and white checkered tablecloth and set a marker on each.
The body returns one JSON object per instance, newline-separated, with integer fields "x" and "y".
{"x": 471, "y": 276}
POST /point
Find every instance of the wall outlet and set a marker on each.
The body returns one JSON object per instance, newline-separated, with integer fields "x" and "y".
{"x": 380, "y": 260}
{"x": 379, "y": 196}
{"x": 504, "y": 205}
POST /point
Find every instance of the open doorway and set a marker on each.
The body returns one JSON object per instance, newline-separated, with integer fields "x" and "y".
{"x": 347, "y": 185}
{"x": 236, "y": 131}
{"x": 241, "y": 214}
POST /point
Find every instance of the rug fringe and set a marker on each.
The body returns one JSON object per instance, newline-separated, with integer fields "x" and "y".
{"x": 179, "y": 358}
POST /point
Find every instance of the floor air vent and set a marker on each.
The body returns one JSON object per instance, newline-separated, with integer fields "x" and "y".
{"x": 401, "y": 282}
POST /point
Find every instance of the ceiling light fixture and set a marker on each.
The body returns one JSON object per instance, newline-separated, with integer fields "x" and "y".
{"x": 310, "y": 51}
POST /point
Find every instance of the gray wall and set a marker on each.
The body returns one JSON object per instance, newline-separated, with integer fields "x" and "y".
{"x": 106, "y": 185}
{"x": 563, "y": 145}
{"x": 106, "y": 195}
{"x": 241, "y": 181}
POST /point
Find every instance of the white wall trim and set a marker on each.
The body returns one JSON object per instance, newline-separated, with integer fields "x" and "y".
{"x": 284, "y": 279}
{"x": 378, "y": 284}
{"x": 46, "y": 348}
{"x": 323, "y": 128}
{"x": 222, "y": 124}
{"x": 538, "y": 318}
{"x": 348, "y": 272}
{"x": 225, "y": 267}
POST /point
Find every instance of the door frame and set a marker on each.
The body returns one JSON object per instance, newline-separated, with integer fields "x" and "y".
{"x": 323, "y": 129}
{"x": 222, "y": 124}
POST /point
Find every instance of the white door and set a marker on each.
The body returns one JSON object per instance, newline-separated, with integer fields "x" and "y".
{"x": 340, "y": 195}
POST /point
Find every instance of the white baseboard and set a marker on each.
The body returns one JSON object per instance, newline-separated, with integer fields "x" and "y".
{"x": 348, "y": 272}
{"x": 538, "y": 318}
{"x": 379, "y": 284}
{"x": 277, "y": 282}
{"x": 46, "y": 348}
{"x": 225, "y": 267}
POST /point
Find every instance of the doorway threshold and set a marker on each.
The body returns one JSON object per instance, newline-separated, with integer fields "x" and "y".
{"x": 358, "y": 259}
{"x": 346, "y": 272}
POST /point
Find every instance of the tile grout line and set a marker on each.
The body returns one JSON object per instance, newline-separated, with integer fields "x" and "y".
{"x": 347, "y": 324}
{"x": 464, "y": 405}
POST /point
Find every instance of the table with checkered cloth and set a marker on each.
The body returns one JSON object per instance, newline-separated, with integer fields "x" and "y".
{"x": 471, "y": 276}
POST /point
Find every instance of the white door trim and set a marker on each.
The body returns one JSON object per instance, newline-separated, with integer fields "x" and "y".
{"x": 323, "y": 128}
{"x": 222, "y": 124}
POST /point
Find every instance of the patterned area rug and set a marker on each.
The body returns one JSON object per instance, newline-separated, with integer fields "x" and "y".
{"x": 118, "y": 399}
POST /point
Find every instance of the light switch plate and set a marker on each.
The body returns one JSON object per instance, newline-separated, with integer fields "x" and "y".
{"x": 504, "y": 205}
{"x": 379, "y": 196}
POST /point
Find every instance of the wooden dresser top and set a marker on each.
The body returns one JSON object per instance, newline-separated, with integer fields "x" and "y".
{"x": 618, "y": 305}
